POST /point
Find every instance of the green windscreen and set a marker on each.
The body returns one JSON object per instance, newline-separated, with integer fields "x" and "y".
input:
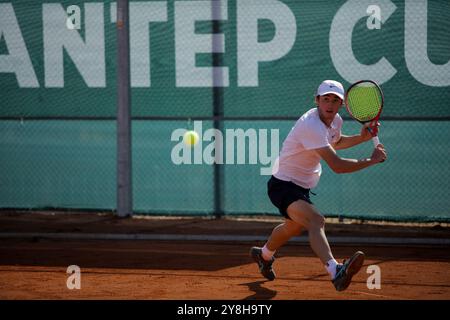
{"x": 243, "y": 75}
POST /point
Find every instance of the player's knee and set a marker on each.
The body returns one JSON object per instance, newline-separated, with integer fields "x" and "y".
{"x": 294, "y": 230}
{"x": 291, "y": 228}
{"x": 318, "y": 222}
{"x": 322, "y": 222}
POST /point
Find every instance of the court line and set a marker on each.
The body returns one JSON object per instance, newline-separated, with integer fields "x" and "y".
{"x": 378, "y": 295}
{"x": 220, "y": 237}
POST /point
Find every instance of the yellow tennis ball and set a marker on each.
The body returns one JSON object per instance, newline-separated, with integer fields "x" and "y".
{"x": 190, "y": 138}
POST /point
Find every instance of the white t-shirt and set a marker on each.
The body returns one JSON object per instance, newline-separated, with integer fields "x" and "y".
{"x": 298, "y": 162}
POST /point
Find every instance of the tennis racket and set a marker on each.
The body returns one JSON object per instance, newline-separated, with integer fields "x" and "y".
{"x": 364, "y": 102}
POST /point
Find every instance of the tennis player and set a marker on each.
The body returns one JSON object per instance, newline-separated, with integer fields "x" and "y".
{"x": 315, "y": 136}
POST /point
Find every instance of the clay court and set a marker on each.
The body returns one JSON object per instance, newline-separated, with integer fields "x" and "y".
{"x": 96, "y": 101}
{"x": 33, "y": 266}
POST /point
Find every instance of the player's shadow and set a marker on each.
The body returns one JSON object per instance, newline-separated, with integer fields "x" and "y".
{"x": 260, "y": 292}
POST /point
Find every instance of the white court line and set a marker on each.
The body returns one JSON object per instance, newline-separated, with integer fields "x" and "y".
{"x": 376, "y": 295}
{"x": 218, "y": 237}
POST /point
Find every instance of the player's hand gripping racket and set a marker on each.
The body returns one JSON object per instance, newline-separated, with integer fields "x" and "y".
{"x": 364, "y": 102}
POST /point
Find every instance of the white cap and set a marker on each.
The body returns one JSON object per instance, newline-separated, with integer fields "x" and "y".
{"x": 331, "y": 86}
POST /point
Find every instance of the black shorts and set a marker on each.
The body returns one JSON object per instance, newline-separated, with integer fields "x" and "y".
{"x": 283, "y": 193}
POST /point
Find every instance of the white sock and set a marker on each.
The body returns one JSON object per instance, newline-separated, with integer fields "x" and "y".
{"x": 267, "y": 254}
{"x": 331, "y": 268}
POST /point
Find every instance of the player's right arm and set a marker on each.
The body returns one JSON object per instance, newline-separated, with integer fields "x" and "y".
{"x": 342, "y": 165}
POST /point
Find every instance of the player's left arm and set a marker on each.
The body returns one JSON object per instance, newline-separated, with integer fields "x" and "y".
{"x": 346, "y": 142}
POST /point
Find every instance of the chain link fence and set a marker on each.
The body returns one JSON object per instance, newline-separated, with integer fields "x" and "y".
{"x": 249, "y": 72}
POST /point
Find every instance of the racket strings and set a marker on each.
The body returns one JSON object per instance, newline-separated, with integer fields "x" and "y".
{"x": 364, "y": 102}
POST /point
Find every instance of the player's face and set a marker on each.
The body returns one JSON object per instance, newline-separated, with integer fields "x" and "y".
{"x": 329, "y": 105}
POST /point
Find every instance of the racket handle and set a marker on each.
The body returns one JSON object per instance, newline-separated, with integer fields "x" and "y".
{"x": 376, "y": 141}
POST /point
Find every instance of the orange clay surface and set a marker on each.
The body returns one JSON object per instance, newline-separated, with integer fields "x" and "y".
{"x": 35, "y": 268}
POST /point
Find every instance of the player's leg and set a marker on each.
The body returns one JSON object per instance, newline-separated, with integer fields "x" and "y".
{"x": 264, "y": 256}
{"x": 307, "y": 215}
{"x": 281, "y": 234}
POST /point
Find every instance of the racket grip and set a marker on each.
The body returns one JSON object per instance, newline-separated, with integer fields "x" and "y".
{"x": 376, "y": 141}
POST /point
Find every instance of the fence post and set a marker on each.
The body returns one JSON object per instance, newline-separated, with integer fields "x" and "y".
{"x": 124, "y": 172}
{"x": 217, "y": 49}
